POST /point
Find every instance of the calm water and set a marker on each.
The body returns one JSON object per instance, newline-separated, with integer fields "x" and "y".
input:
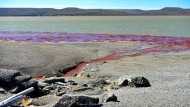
{"x": 150, "y": 25}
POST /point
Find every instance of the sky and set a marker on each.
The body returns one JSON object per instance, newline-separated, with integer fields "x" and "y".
{"x": 96, "y": 4}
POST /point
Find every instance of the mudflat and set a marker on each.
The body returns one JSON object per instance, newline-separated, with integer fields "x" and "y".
{"x": 40, "y": 59}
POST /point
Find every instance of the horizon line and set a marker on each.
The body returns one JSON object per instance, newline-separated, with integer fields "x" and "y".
{"x": 93, "y": 8}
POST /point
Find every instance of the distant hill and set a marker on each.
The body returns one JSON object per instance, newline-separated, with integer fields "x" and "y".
{"x": 169, "y": 11}
{"x": 90, "y": 12}
{"x": 25, "y": 11}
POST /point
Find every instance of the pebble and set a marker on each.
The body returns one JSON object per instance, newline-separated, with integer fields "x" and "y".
{"x": 60, "y": 93}
{"x": 111, "y": 97}
{"x": 14, "y": 89}
{"x": 85, "y": 85}
{"x": 73, "y": 83}
{"x": 2, "y": 91}
{"x": 42, "y": 84}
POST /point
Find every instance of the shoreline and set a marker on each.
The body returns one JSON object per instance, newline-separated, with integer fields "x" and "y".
{"x": 165, "y": 64}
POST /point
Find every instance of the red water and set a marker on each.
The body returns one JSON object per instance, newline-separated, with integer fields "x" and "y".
{"x": 159, "y": 44}
{"x": 125, "y": 53}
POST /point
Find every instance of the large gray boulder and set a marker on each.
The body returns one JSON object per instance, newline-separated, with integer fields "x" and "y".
{"x": 8, "y": 75}
{"x": 14, "y": 81}
{"x": 77, "y": 100}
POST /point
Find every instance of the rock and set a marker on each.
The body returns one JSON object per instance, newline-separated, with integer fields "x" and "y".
{"x": 46, "y": 91}
{"x": 14, "y": 89}
{"x": 99, "y": 83}
{"x": 111, "y": 97}
{"x": 14, "y": 82}
{"x": 133, "y": 81}
{"x": 123, "y": 81}
{"x": 108, "y": 81}
{"x": 54, "y": 79}
{"x": 49, "y": 88}
{"x": 88, "y": 76}
{"x": 44, "y": 100}
{"x": 54, "y": 89}
{"x": 82, "y": 89}
{"x": 140, "y": 82}
{"x": 60, "y": 83}
{"x": 22, "y": 78}
{"x": 2, "y": 91}
{"x": 8, "y": 75}
{"x": 85, "y": 85}
{"x": 110, "y": 87}
{"x": 60, "y": 88}
{"x": 102, "y": 82}
{"x": 60, "y": 93}
{"x": 68, "y": 100}
{"x": 30, "y": 83}
{"x": 42, "y": 84}
{"x": 73, "y": 83}
{"x": 57, "y": 73}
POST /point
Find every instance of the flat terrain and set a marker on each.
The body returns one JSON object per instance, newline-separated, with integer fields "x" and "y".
{"x": 40, "y": 59}
{"x": 168, "y": 73}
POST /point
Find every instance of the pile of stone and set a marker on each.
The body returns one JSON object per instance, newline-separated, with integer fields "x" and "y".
{"x": 133, "y": 81}
{"x": 126, "y": 80}
{"x": 53, "y": 85}
{"x": 67, "y": 93}
{"x": 14, "y": 82}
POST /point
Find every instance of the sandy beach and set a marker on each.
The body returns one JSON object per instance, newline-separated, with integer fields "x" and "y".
{"x": 168, "y": 73}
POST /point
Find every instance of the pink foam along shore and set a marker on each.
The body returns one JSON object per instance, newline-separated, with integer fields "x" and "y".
{"x": 39, "y": 37}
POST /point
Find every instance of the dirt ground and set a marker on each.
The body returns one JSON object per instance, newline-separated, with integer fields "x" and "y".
{"x": 168, "y": 73}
